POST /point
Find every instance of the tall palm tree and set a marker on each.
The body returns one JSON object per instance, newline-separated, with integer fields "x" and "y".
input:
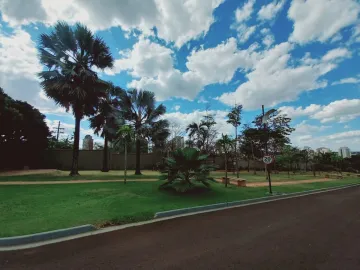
{"x": 125, "y": 135}
{"x": 107, "y": 120}
{"x": 234, "y": 118}
{"x": 225, "y": 144}
{"x": 138, "y": 108}
{"x": 68, "y": 78}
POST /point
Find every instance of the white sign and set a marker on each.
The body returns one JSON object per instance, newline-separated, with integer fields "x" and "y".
{"x": 267, "y": 159}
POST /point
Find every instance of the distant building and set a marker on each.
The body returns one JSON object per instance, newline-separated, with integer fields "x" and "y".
{"x": 179, "y": 142}
{"x": 88, "y": 143}
{"x": 344, "y": 152}
{"x": 323, "y": 150}
{"x": 355, "y": 153}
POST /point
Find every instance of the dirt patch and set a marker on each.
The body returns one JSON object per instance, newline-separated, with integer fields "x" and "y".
{"x": 296, "y": 182}
{"x": 27, "y": 172}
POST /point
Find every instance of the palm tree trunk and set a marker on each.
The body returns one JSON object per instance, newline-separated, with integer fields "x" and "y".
{"x": 236, "y": 154}
{"x": 248, "y": 166}
{"x": 226, "y": 175}
{"x": 75, "y": 160}
{"x": 137, "y": 170}
{"x": 105, "y": 167}
{"x": 125, "y": 163}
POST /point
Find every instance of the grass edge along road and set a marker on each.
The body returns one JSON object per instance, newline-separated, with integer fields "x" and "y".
{"x": 40, "y": 208}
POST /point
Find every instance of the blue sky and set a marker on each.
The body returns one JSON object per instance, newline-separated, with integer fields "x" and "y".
{"x": 301, "y": 57}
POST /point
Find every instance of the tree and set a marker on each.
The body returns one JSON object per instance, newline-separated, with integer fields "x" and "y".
{"x": 226, "y": 145}
{"x": 184, "y": 169}
{"x": 23, "y": 133}
{"x": 203, "y": 134}
{"x": 138, "y": 108}
{"x": 234, "y": 118}
{"x": 69, "y": 56}
{"x": 125, "y": 135}
{"x": 53, "y": 143}
{"x": 107, "y": 120}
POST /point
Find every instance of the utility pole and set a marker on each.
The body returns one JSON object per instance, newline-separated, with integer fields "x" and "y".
{"x": 266, "y": 148}
{"x": 59, "y": 130}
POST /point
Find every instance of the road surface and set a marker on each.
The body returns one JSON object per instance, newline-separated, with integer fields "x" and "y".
{"x": 311, "y": 232}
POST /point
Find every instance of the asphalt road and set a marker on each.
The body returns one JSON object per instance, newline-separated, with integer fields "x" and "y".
{"x": 311, "y": 232}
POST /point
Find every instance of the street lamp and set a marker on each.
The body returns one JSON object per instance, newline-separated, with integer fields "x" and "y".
{"x": 267, "y": 159}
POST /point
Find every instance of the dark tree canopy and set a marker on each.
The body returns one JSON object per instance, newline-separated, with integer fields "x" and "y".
{"x": 23, "y": 133}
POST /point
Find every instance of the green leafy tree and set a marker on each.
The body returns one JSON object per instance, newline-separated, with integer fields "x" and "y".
{"x": 138, "y": 108}
{"x": 234, "y": 118}
{"x": 69, "y": 57}
{"x": 125, "y": 135}
{"x": 226, "y": 145}
{"x": 66, "y": 143}
{"x": 23, "y": 131}
{"x": 184, "y": 169}
{"x": 107, "y": 120}
{"x": 203, "y": 134}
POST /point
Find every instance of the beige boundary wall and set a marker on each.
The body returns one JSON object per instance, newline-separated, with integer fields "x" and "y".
{"x": 92, "y": 160}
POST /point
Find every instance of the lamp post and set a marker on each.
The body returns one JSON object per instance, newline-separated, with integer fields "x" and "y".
{"x": 264, "y": 120}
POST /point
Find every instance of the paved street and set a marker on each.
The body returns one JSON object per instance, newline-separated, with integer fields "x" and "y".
{"x": 311, "y": 232}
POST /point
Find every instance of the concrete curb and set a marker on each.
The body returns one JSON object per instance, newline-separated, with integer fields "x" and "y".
{"x": 242, "y": 202}
{"x": 44, "y": 236}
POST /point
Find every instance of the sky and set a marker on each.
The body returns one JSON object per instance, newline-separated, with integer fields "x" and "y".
{"x": 298, "y": 56}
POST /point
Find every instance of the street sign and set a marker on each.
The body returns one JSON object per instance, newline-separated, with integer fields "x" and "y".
{"x": 267, "y": 159}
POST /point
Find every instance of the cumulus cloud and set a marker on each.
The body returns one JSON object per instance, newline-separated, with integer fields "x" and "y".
{"x": 273, "y": 80}
{"x": 178, "y": 21}
{"x": 337, "y": 111}
{"x": 304, "y": 128}
{"x": 19, "y": 66}
{"x": 350, "y": 80}
{"x": 338, "y": 53}
{"x": 320, "y": 20}
{"x": 340, "y": 111}
{"x": 155, "y": 68}
{"x": 269, "y": 11}
{"x": 243, "y": 13}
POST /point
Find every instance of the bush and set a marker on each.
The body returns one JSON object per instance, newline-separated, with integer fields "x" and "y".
{"x": 185, "y": 170}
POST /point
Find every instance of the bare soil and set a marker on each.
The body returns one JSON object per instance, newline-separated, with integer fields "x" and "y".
{"x": 313, "y": 232}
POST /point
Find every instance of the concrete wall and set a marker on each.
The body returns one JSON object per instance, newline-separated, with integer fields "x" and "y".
{"x": 92, "y": 160}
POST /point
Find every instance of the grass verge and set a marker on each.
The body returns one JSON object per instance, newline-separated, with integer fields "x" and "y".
{"x": 39, "y": 208}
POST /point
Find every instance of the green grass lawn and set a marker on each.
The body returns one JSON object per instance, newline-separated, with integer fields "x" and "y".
{"x": 147, "y": 174}
{"x": 29, "y": 209}
{"x": 84, "y": 175}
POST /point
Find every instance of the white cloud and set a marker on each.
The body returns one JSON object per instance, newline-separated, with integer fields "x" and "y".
{"x": 333, "y": 141}
{"x": 268, "y": 40}
{"x": 177, "y": 107}
{"x": 19, "y": 66}
{"x": 178, "y": 21}
{"x": 350, "y": 80}
{"x": 274, "y": 81}
{"x": 346, "y": 126}
{"x": 340, "y": 110}
{"x": 355, "y": 37}
{"x": 338, "y": 53}
{"x": 201, "y": 99}
{"x": 244, "y": 13}
{"x": 304, "y": 128}
{"x": 244, "y": 32}
{"x": 299, "y": 111}
{"x": 319, "y": 20}
{"x": 18, "y": 55}
{"x": 269, "y": 11}
{"x": 154, "y": 65}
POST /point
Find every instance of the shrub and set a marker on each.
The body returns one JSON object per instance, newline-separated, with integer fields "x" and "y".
{"x": 185, "y": 170}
